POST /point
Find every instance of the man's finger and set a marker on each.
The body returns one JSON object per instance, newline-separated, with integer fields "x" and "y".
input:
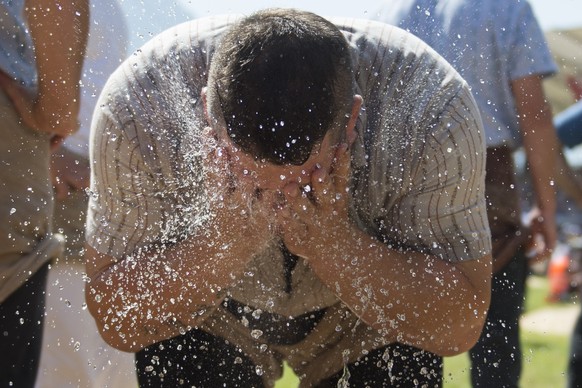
{"x": 323, "y": 193}
{"x": 341, "y": 173}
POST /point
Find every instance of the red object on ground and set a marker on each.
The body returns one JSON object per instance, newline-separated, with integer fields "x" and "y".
{"x": 559, "y": 277}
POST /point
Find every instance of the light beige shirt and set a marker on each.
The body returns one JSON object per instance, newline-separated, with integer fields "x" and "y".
{"x": 417, "y": 165}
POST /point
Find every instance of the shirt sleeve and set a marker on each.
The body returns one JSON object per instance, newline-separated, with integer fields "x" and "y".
{"x": 528, "y": 51}
{"x": 120, "y": 199}
{"x": 147, "y": 182}
{"x": 440, "y": 208}
{"x": 420, "y": 184}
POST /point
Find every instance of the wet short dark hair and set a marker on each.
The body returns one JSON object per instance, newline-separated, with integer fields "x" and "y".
{"x": 281, "y": 78}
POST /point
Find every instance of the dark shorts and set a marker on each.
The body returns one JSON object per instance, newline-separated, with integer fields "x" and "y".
{"x": 201, "y": 359}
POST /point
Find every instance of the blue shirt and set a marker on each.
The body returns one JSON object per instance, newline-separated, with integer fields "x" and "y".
{"x": 569, "y": 125}
{"x": 490, "y": 42}
{"x": 16, "y": 47}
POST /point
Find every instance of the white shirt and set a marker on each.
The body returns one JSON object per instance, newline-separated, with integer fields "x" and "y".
{"x": 418, "y": 162}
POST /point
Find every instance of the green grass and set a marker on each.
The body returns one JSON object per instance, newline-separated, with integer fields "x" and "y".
{"x": 536, "y": 293}
{"x": 544, "y": 356}
{"x": 289, "y": 380}
{"x": 545, "y": 359}
{"x": 544, "y": 363}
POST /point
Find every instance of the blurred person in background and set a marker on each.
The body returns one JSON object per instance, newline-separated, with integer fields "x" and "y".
{"x": 500, "y": 50}
{"x": 42, "y": 46}
{"x": 569, "y": 125}
{"x": 73, "y": 352}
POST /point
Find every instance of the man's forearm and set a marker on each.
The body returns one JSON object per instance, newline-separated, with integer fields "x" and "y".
{"x": 410, "y": 297}
{"x": 157, "y": 295}
{"x": 542, "y": 155}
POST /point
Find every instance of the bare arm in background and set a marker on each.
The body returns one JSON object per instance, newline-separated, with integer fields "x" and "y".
{"x": 59, "y": 30}
{"x": 542, "y": 150}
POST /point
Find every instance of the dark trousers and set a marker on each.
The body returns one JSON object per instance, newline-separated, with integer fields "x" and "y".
{"x": 407, "y": 367}
{"x": 496, "y": 358}
{"x": 575, "y": 362}
{"x": 203, "y": 360}
{"x": 21, "y": 325}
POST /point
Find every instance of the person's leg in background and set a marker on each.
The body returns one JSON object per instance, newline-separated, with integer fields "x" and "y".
{"x": 496, "y": 358}
{"x": 575, "y": 359}
{"x": 21, "y": 325}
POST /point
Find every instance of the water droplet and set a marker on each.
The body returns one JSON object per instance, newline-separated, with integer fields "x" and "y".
{"x": 256, "y": 333}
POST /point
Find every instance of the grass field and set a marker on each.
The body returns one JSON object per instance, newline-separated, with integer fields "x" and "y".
{"x": 544, "y": 356}
{"x": 544, "y": 363}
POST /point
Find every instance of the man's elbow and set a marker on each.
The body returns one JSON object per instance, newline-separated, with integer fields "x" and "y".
{"x": 464, "y": 334}
{"x": 105, "y": 319}
{"x": 464, "y": 327}
{"x": 117, "y": 340}
{"x": 461, "y": 340}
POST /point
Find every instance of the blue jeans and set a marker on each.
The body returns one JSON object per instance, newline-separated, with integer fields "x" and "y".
{"x": 496, "y": 358}
{"x": 569, "y": 125}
